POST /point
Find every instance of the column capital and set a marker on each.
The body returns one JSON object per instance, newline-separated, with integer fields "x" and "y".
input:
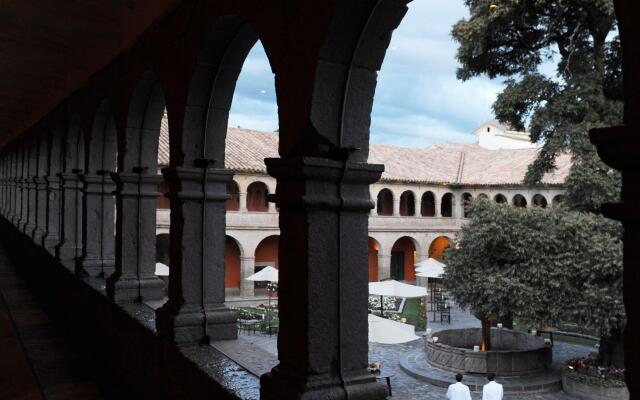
{"x": 186, "y": 183}
{"x": 312, "y": 183}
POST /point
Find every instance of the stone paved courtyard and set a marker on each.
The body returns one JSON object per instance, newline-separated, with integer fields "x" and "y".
{"x": 404, "y": 386}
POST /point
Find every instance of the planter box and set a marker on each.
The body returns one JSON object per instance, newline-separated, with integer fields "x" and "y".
{"x": 585, "y": 391}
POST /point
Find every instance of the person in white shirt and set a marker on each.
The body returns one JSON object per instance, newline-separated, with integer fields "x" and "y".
{"x": 458, "y": 390}
{"x": 492, "y": 390}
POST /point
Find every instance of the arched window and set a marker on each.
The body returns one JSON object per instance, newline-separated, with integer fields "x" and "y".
{"x": 466, "y": 200}
{"x": 446, "y": 206}
{"x": 233, "y": 202}
{"x": 385, "y": 202}
{"x": 483, "y": 196}
{"x": 519, "y": 201}
{"x": 407, "y": 204}
{"x": 266, "y": 254}
{"x": 557, "y": 200}
{"x": 257, "y": 197}
{"x": 539, "y": 201}
{"x": 500, "y": 199}
{"x": 231, "y": 263}
{"x": 428, "y": 205}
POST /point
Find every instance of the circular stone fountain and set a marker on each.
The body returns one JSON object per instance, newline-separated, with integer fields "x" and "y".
{"x": 512, "y": 354}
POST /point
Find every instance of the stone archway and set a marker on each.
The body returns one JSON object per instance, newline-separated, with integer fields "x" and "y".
{"x": 403, "y": 259}
{"x": 438, "y": 246}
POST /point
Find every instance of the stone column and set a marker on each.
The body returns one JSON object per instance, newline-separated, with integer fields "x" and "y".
{"x": 98, "y": 258}
{"x": 396, "y": 206}
{"x": 247, "y": 268}
{"x": 3, "y": 184}
{"x": 30, "y": 225}
{"x": 436, "y": 204}
{"x": 23, "y": 192}
{"x": 134, "y": 278}
{"x": 11, "y": 179}
{"x": 52, "y": 231}
{"x": 41, "y": 189}
{"x": 70, "y": 246}
{"x": 195, "y": 312}
{"x": 384, "y": 266}
{"x": 322, "y": 344}
{"x": 242, "y": 198}
{"x": 272, "y": 207}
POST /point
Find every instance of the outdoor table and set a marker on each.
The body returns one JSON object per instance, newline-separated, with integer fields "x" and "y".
{"x": 386, "y": 373}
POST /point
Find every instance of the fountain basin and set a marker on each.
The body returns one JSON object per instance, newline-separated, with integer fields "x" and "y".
{"x": 513, "y": 353}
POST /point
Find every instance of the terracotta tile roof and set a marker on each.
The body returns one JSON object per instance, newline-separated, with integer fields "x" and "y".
{"x": 445, "y": 163}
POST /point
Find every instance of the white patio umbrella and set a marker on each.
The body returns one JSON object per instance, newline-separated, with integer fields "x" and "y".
{"x": 395, "y": 289}
{"x": 429, "y": 268}
{"x": 266, "y": 274}
{"x": 162, "y": 269}
{"x": 386, "y": 331}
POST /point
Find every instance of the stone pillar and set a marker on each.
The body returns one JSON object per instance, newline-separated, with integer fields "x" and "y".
{"x": 437, "y": 204}
{"x": 134, "y": 278}
{"x": 98, "y": 245}
{"x": 53, "y": 221}
{"x": 247, "y": 268}
{"x": 272, "y": 207}
{"x": 396, "y": 206}
{"x": 195, "y": 312}
{"x": 23, "y": 191}
{"x": 242, "y": 198}
{"x": 384, "y": 266}
{"x": 41, "y": 189}
{"x": 70, "y": 246}
{"x": 322, "y": 344}
{"x": 32, "y": 205}
{"x": 11, "y": 201}
{"x": 3, "y": 180}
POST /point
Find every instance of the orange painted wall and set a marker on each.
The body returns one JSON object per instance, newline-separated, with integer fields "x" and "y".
{"x": 406, "y": 245}
{"x": 231, "y": 264}
{"x": 438, "y": 246}
{"x": 257, "y": 197}
{"x": 267, "y": 251}
{"x": 373, "y": 261}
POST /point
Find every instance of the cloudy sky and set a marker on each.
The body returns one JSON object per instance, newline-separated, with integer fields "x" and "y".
{"x": 418, "y": 100}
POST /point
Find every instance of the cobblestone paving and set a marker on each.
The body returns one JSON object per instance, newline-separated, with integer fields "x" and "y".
{"x": 406, "y": 387}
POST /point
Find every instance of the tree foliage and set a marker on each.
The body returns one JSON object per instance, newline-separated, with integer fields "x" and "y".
{"x": 539, "y": 266}
{"x": 513, "y": 39}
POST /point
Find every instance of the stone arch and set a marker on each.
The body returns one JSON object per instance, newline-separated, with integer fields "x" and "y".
{"x": 70, "y": 247}
{"x": 539, "y": 200}
{"x": 500, "y": 199}
{"x": 519, "y": 201}
{"x": 403, "y": 258}
{"x": 438, "y": 246}
{"x": 202, "y": 132}
{"x": 137, "y": 193}
{"x": 98, "y": 232}
{"x": 232, "y": 256}
{"x": 467, "y": 198}
{"x": 266, "y": 251}
{"x": 557, "y": 200}
{"x": 257, "y": 197}
{"x": 233, "y": 202}
{"x": 407, "y": 203}
{"x": 428, "y": 204}
{"x": 384, "y": 202}
{"x": 483, "y": 196}
{"x": 447, "y": 204}
{"x": 374, "y": 250}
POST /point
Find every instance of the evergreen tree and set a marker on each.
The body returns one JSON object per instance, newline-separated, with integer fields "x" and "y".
{"x": 512, "y": 39}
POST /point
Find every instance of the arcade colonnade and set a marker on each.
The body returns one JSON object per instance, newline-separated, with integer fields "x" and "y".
{"x": 57, "y": 178}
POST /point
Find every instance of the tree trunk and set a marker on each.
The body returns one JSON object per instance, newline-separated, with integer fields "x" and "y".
{"x": 486, "y": 334}
{"x": 612, "y": 349}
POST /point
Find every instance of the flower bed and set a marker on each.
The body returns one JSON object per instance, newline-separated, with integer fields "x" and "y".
{"x": 585, "y": 379}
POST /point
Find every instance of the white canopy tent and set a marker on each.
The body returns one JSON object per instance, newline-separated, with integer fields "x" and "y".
{"x": 429, "y": 268}
{"x": 266, "y": 274}
{"x": 386, "y": 331}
